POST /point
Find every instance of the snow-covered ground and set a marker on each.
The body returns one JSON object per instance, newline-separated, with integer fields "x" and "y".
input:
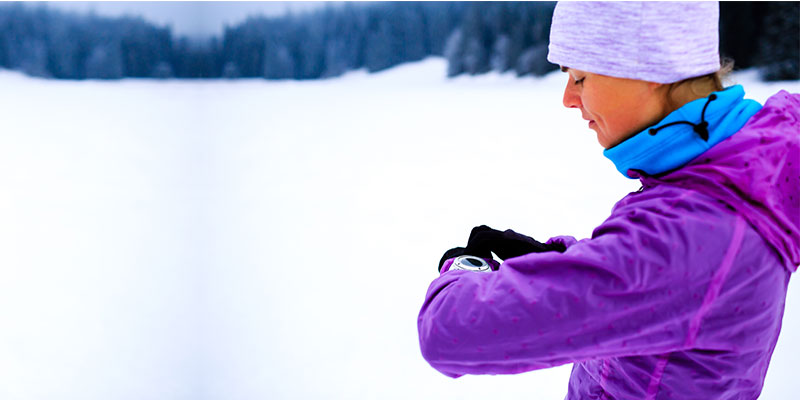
{"x": 274, "y": 240}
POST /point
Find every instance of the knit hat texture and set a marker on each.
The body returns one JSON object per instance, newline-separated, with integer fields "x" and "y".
{"x": 662, "y": 42}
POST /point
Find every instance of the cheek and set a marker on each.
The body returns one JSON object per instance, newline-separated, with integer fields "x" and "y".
{"x": 606, "y": 107}
{"x": 591, "y": 105}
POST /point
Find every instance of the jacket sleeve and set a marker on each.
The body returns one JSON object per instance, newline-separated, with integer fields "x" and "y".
{"x": 565, "y": 241}
{"x": 625, "y": 291}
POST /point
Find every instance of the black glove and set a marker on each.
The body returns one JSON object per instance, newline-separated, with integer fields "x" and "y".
{"x": 452, "y": 253}
{"x": 509, "y": 244}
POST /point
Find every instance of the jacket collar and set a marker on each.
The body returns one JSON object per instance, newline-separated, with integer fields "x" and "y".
{"x": 681, "y": 135}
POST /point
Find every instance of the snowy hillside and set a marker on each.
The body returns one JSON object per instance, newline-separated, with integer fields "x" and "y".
{"x": 248, "y": 239}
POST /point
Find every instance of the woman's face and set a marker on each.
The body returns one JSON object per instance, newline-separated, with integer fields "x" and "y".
{"x": 616, "y": 108}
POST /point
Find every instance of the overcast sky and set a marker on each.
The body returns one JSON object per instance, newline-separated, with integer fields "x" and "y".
{"x": 190, "y": 18}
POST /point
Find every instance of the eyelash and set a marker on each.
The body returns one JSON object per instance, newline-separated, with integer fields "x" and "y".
{"x": 579, "y": 81}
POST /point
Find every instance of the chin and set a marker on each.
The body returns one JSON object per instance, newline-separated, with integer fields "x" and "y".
{"x": 602, "y": 141}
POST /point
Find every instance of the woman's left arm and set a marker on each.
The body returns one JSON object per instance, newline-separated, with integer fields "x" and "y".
{"x": 632, "y": 289}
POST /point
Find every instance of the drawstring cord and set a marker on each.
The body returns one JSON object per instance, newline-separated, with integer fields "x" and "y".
{"x": 701, "y": 128}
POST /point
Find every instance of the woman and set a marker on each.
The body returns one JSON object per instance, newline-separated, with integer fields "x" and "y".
{"x": 680, "y": 293}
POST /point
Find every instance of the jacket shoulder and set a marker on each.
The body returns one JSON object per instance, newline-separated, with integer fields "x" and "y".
{"x": 780, "y": 110}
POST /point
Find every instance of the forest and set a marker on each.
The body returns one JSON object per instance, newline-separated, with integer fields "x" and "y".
{"x": 474, "y": 37}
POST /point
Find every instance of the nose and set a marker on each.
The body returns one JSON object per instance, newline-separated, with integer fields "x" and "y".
{"x": 572, "y": 98}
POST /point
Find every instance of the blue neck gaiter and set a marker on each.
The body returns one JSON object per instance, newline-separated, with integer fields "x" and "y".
{"x": 685, "y": 133}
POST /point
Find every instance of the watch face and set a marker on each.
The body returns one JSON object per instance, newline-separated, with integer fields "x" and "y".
{"x": 471, "y": 263}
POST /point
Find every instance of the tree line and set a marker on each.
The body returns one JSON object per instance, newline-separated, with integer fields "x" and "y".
{"x": 474, "y": 37}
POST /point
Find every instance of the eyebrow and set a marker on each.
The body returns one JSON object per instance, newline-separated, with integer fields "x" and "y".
{"x": 564, "y": 69}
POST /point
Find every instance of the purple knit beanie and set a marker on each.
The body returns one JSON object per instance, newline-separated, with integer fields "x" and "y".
{"x": 662, "y": 42}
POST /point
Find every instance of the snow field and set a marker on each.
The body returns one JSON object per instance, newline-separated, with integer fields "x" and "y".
{"x": 252, "y": 239}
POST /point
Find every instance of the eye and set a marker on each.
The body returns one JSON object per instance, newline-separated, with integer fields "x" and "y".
{"x": 579, "y": 81}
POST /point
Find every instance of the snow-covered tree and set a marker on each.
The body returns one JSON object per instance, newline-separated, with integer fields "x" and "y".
{"x": 454, "y": 53}
{"x": 104, "y": 62}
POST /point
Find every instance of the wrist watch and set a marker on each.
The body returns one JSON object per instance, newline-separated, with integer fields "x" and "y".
{"x": 471, "y": 263}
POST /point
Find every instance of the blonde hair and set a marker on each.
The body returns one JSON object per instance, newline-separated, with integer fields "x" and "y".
{"x": 682, "y": 92}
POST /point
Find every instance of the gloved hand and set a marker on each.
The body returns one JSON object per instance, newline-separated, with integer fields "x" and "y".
{"x": 450, "y": 254}
{"x": 483, "y": 241}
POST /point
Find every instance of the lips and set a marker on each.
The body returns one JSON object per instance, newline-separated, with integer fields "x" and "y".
{"x": 591, "y": 121}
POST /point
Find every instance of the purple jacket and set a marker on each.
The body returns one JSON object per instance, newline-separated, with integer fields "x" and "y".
{"x": 679, "y": 294}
